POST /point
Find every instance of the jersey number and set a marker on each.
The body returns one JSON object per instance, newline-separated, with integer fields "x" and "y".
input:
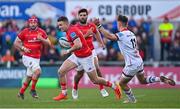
{"x": 133, "y": 41}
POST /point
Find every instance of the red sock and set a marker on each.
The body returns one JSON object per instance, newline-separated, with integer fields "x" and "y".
{"x": 33, "y": 87}
{"x": 75, "y": 86}
{"x": 23, "y": 88}
{"x": 101, "y": 87}
{"x": 63, "y": 86}
{"x": 109, "y": 84}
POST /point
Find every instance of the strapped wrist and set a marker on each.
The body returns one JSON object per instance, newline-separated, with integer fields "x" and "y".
{"x": 99, "y": 26}
{"x": 22, "y": 48}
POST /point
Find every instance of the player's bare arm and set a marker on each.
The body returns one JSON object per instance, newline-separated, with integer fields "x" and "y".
{"x": 99, "y": 39}
{"x": 104, "y": 31}
{"x": 108, "y": 34}
{"x": 46, "y": 41}
{"x": 18, "y": 45}
{"x": 77, "y": 45}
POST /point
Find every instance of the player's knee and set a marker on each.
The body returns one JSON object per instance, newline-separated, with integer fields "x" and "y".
{"x": 38, "y": 71}
{"x": 61, "y": 73}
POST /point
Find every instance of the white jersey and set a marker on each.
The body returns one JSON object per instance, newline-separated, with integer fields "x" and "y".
{"x": 127, "y": 44}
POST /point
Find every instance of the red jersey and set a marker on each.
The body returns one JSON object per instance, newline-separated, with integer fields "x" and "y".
{"x": 30, "y": 41}
{"x": 73, "y": 33}
{"x": 84, "y": 29}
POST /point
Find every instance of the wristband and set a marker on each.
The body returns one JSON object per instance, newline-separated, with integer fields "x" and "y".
{"x": 22, "y": 48}
{"x": 99, "y": 26}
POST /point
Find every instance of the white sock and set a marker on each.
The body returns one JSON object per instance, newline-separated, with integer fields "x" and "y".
{"x": 130, "y": 95}
{"x": 64, "y": 92}
{"x": 113, "y": 86}
{"x": 152, "y": 79}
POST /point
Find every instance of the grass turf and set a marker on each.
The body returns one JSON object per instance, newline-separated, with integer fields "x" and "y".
{"x": 91, "y": 98}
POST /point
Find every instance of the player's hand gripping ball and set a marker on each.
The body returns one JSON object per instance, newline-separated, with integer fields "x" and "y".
{"x": 64, "y": 42}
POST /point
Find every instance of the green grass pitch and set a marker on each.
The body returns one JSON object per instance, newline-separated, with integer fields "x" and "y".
{"x": 91, "y": 98}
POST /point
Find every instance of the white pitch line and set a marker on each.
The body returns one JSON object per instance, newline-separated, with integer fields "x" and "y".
{"x": 139, "y": 96}
{"x": 54, "y": 101}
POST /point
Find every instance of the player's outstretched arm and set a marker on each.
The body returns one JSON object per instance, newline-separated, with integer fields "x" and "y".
{"x": 104, "y": 31}
{"x": 99, "y": 39}
{"x": 108, "y": 34}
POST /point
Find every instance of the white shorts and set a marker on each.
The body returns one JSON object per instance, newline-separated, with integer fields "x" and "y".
{"x": 87, "y": 63}
{"x": 131, "y": 71}
{"x": 31, "y": 64}
{"x": 94, "y": 54}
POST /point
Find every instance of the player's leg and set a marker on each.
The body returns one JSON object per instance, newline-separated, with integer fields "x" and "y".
{"x": 77, "y": 77}
{"x": 26, "y": 62}
{"x": 67, "y": 65}
{"x": 34, "y": 66}
{"x": 104, "y": 93}
{"x": 35, "y": 78}
{"x": 127, "y": 90}
{"x": 152, "y": 79}
{"x": 128, "y": 73}
{"x": 101, "y": 81}
{"x": 89, "y": 67}
{"x": 24, "y": 86}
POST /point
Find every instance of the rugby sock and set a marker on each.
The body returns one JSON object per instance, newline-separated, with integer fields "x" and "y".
{"x": 113, "y": 86}
{"x": 152, "y": 79}
{"x": 75, "y": 86}
{"x": 101, "y": 87}
{"x": 34, "y": 81}
{"x": 64, "y": 88}
{"x": 130, "y": 95}
{"x": 109, "y": 84}
{"x": 23, "y": 88}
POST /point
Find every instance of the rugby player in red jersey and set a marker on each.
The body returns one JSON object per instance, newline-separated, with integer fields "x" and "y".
{"x": 81, "y": 55}
{"x": 30, "y": 41}
{"x": 85, "y": 27}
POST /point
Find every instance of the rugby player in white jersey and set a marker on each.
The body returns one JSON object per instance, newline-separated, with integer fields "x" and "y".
{"x": 133, "y": 61}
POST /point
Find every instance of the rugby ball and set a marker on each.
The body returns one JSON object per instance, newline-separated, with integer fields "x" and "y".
{"x": 64, "y": 42}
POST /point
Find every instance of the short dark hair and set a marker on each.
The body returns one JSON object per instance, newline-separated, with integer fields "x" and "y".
{"x": 83, "y": 10}
{"x": 62, "y": 18}
{"x": 123, "y": 19}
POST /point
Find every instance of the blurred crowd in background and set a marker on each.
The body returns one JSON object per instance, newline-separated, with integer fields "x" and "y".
{"x": 143, "y": 29}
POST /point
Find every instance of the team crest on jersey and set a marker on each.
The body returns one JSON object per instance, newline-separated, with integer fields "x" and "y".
{"x": 73, "y": 35}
